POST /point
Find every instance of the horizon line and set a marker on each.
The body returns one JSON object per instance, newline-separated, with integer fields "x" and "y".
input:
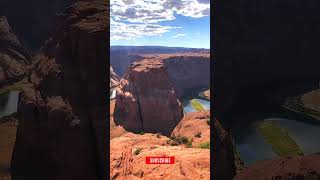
{"x": 160, "y": 46}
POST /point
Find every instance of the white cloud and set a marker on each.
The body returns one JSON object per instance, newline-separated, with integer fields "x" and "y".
{"x": 179, "y": 35}
{"x": 126, "y": 31}
{"x": 135, "y": 18}
{"x": 152, "y": 11}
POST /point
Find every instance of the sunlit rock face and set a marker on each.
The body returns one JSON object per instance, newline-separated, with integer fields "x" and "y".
{"x": 146, "y": 100}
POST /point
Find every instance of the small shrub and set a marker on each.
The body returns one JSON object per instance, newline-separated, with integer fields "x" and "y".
{"x": 158, "y": 135}
{"x": 137, "y": 151}
{"x": 173, "y": 143}
{"x": 208, "y": 122}
{"x": 142, "y": 133}
{"x": 181, "y": 140}
{"x": 205, "y": 145}
{"x": 198, "y": 135}
{"x": 189, "y": 144}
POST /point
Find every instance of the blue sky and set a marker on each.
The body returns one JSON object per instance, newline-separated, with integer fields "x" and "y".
{"x": 174, "y": 23}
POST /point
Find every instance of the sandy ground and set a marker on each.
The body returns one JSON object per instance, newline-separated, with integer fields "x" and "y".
{"x": 7, "y": 138}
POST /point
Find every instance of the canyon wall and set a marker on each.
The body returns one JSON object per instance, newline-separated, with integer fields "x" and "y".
{"x": 62, "y": 109}
{"x": 189, "y": 72}
{"x": 146, "y": 100}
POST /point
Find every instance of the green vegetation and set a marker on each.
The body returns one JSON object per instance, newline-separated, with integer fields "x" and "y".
{"x": 189, "y": 144}
{"x": 198, "y": 135}
{"x": 196, "y": 105}
{"x": 181, "y": 140}
{"x": 137, "y": 151}
{"x": 279, "y": 139}
{"x": 205, "y": 145}
{"x": 142, "y": 133}
{"x": 14, "y": 87}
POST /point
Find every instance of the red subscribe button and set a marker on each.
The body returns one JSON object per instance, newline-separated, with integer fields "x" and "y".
{"x": 160, "y": 160}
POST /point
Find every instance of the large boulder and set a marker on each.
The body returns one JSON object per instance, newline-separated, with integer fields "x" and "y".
{"x": 146, "y": 100}
{"x": 63, "y": 109}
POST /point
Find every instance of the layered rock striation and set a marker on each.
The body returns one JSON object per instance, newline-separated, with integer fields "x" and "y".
{"x": 62, "y": 109}
{"x": 146, "y": 99}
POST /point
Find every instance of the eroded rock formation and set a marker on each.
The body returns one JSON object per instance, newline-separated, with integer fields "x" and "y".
{"x": 14, "y": 58}
{"x": 146, "y": 100}
{"x": 284, "y": 168}
{"x": 196, "y": 126}
{"x": 128, "y": 152}
{"x": 62, "y": 110}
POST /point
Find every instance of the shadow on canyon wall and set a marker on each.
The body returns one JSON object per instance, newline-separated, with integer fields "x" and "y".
{"x": 265, "y": 51}
{"x": 262, "y": 47}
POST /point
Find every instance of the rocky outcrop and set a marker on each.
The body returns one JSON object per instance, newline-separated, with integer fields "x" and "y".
{"x": 189, "y": 71}
{"x": 224, "y": 159}
{"x": 128, "y": 152}
{"x": 14, "y": 58}
{"x": 195, "y": 126}
{"x": 114, "y": 79}
{"x": 284, "y": 168}
{"x": 63, "y": 109}
{"x": 146, "y": 100}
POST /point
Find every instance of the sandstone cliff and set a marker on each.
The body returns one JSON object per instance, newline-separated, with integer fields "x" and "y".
{"x": 146, "y": 100}
{"x": 189, "y": 71}
{"x": 62, "y": 110}
{"x": 14, "y": 58}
